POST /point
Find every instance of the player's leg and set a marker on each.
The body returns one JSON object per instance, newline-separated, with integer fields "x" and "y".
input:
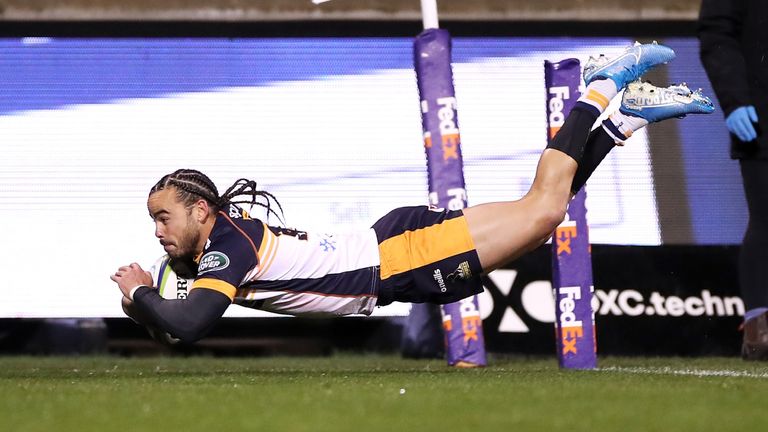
{"x": 504, "y": 231}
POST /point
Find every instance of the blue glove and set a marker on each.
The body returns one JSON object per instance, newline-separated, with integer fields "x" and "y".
{"x": 740, "y": 121}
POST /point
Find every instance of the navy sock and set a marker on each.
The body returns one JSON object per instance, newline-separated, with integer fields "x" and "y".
{"x": 599, "y": 144}
{"x": 572, "y": 137}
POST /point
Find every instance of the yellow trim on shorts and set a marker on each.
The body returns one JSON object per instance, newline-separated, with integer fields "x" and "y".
{"x": 417, "y": 248}
{"x": 225, "y": 288}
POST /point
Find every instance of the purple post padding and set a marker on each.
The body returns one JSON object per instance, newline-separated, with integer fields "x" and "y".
{"x": 571, "y": 257}
{"x": 463, "y": 330}
{"x": 463, "y": 327}
{"x": 432, "y": 60}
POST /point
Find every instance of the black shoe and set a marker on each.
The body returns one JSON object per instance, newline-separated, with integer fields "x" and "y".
{"x": 755, "y": 343}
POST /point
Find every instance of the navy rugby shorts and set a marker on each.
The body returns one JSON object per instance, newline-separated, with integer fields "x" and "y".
{"x": 427, "y": 255}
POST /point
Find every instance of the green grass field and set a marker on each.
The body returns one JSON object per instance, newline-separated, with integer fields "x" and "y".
{"x": 372, "y": 393}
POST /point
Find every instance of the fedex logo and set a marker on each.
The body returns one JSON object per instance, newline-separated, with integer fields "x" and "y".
{"x": 571, "y": 328}
{"x": 555, "y": 106}
{"x": 471, "y": 323}
{"x": 563, "y": 235}
{"x": 470, "y": 318}
{"x": 447, "y": 323}
{"x": 449, "y": 132}
{"x": 457, "y": 199}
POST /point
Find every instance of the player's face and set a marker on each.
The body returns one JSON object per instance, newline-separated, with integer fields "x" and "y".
{"x": 175, "y": 226}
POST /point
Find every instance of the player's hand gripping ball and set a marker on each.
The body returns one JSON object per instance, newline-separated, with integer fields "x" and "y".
{"x": 170, "y": 286}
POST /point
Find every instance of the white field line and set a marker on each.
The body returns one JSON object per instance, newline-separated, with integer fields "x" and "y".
{"x": 686, "y": 372}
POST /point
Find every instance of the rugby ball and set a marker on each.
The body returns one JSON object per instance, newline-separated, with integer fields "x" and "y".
{"x": 170, "y": 286}
{"x": 167, "y": 282}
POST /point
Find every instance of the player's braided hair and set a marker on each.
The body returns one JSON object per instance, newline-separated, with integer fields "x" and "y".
{"x": 192, "y": 185}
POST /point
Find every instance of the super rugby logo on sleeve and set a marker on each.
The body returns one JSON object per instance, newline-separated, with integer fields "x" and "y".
{"x": 213, "y": 261}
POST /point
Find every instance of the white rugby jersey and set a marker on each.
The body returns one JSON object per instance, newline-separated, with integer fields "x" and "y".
{"x": 288, "y": 271}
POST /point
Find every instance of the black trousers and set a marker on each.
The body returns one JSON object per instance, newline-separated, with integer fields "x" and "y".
{"x": 753, "y": 260}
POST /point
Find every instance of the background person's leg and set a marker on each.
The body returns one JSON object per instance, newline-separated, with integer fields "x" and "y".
{"x": 753, "y": 271}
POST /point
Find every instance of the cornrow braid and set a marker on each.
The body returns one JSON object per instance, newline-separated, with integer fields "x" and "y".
{"x": 247, "y": 188}
{"x": 192, "y": 185}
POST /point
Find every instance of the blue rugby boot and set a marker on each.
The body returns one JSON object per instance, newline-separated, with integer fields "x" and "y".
{"x": 629, "y": 65}
{"x": 641, "y": 99}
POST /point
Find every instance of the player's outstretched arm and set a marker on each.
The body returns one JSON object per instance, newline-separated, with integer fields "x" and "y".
{"x": 158, "y": 335}
{"x": 188, "y": 320}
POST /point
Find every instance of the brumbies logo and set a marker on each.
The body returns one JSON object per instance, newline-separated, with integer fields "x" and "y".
{"x": 236, "y": 212}
{"x": 462, "y": 272}
{"x": 213, "y": 261}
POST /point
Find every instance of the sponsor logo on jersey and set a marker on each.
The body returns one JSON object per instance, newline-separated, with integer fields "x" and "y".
{"x": 213, "y": 261}
{"x": 181, "y": 288}
{"x": 328, "y": 243}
